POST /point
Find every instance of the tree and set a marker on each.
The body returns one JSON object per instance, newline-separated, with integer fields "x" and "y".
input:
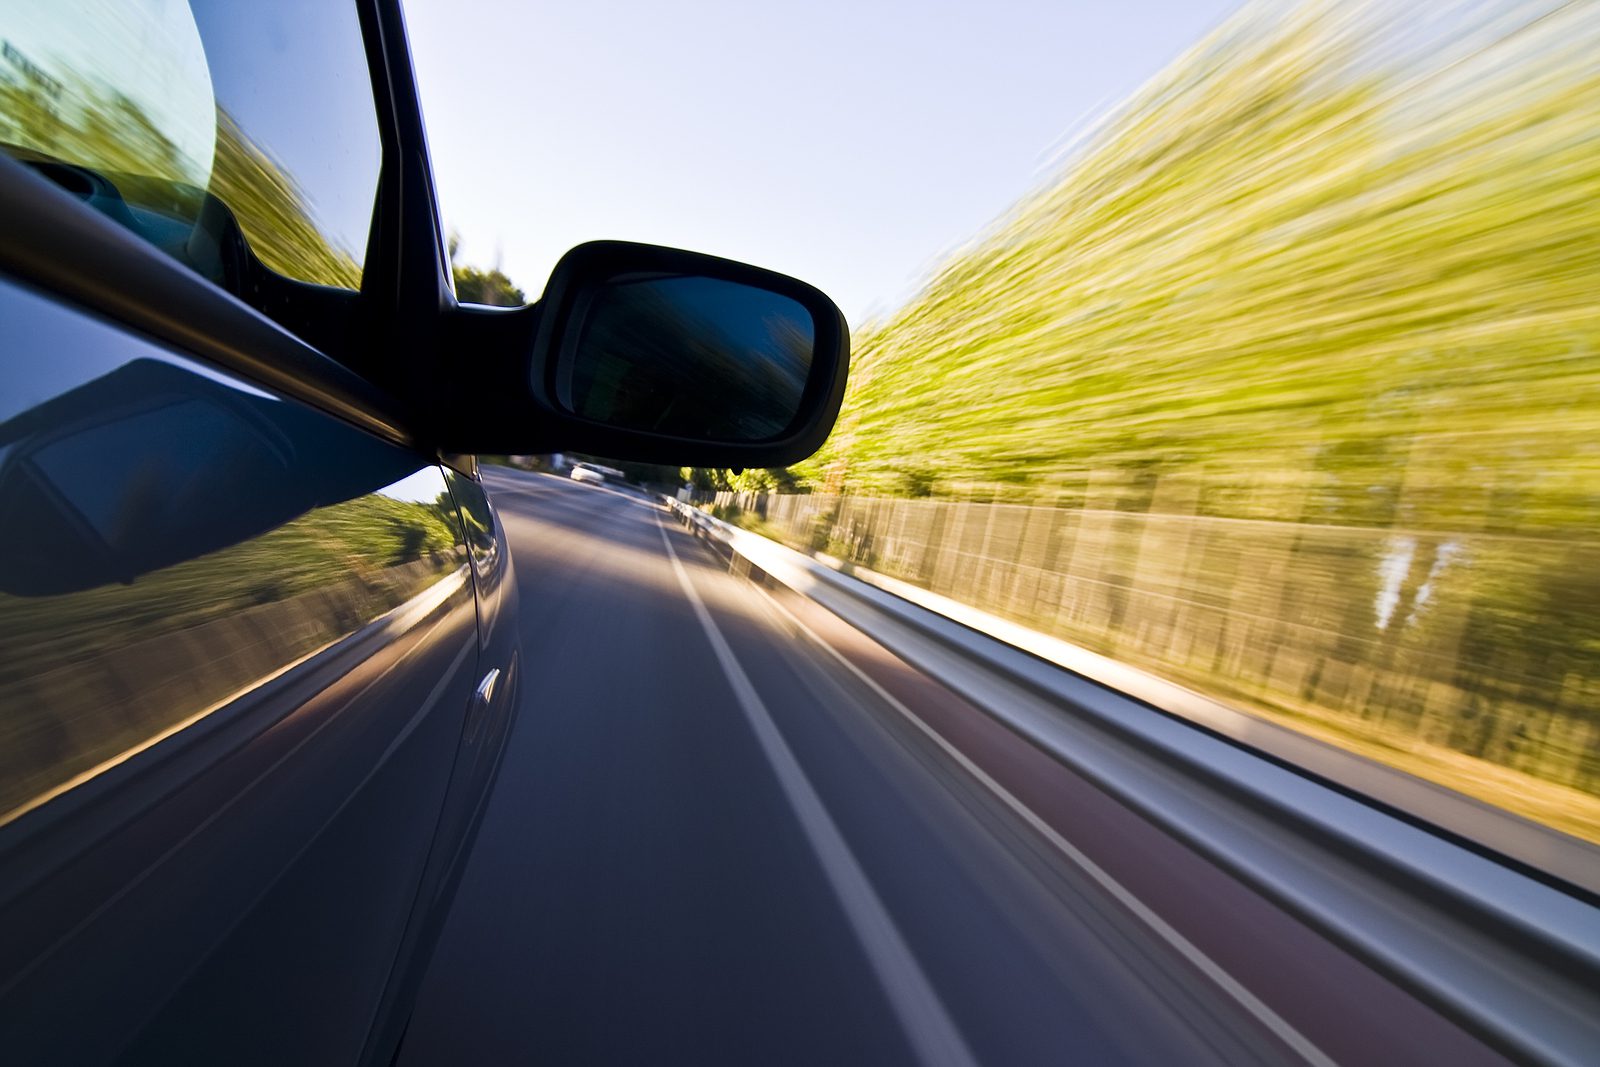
{"x": 751, "y": 480}
{"x": 477, "y": 286}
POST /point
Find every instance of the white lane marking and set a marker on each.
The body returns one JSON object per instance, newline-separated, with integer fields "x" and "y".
{"x": 1281, "y": 1028}
{"x": 928, "y": 1027}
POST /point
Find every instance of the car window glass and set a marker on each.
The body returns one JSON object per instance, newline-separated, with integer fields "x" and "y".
{"x": 161, "y": 115}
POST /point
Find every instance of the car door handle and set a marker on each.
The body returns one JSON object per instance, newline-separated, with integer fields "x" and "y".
{"x": 482, "y": 700}
{"x": 485, "y": 691}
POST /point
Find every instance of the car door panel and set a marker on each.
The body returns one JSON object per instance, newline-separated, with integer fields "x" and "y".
{"x": 241, "y": 647}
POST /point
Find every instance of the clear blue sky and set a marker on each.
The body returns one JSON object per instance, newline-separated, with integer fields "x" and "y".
{"x": 853, "y": 145}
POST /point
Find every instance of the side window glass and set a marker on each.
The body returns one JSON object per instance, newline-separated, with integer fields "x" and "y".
{"x": 235, "y": 137}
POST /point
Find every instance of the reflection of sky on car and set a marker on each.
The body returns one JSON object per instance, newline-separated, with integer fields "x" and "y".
{"x": 148, "y": 50}
{"x": 249, "y": 43}
{"x": 51, "y": 328}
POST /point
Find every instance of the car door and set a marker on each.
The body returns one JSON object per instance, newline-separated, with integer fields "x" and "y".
{"x": 240, "y": 649}
{"x": 239, "y": 642}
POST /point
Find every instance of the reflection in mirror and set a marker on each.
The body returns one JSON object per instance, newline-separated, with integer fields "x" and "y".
{"x": 689, "y": 356}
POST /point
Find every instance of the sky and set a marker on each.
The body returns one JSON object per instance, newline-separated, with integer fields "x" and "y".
{"x": 853, "y": 145}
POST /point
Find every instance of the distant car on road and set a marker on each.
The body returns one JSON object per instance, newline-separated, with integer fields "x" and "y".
{"x": 587, "y": 475}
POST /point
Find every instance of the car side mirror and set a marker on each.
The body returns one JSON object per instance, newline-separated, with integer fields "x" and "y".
{"x": 643, "y": 352}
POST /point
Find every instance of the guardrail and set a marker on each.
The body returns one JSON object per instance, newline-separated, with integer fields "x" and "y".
{"x": 1467, "y": 654}
{"x": 1507, "y": 954}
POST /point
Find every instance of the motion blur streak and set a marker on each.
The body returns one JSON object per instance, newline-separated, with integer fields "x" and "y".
{"x": 1286, "y": 388}
{"x": 1164, "y": 930}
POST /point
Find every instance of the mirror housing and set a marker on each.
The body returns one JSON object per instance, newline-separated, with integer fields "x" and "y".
{"x": 650, "y": 354}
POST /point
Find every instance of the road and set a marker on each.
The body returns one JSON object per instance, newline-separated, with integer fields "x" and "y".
{"x": 730, "y": 830}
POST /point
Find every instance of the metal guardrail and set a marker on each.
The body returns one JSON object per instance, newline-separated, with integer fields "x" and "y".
{"x": 1507, "y": 956}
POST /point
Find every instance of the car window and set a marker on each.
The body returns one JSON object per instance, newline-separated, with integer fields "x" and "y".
{"x": 161, "y": 114}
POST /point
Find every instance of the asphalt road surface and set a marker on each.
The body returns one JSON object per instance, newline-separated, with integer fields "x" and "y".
{"x": 730, "y": 830}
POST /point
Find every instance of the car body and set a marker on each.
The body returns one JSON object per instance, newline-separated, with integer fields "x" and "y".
{"x": 192, "y": 776}
{"x": 258, "y": 614}
{"x": 587, "y": 475}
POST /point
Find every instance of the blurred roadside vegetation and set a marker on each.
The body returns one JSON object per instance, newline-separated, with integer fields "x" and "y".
{"x": 1335, "y": 264}
{"x": 477, "y": 286}
{"x": 1337, "y": 252}
{"x": 1334, "y": 273}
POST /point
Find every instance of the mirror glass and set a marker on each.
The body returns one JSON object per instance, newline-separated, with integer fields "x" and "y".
{"x": 688, "y": 356}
